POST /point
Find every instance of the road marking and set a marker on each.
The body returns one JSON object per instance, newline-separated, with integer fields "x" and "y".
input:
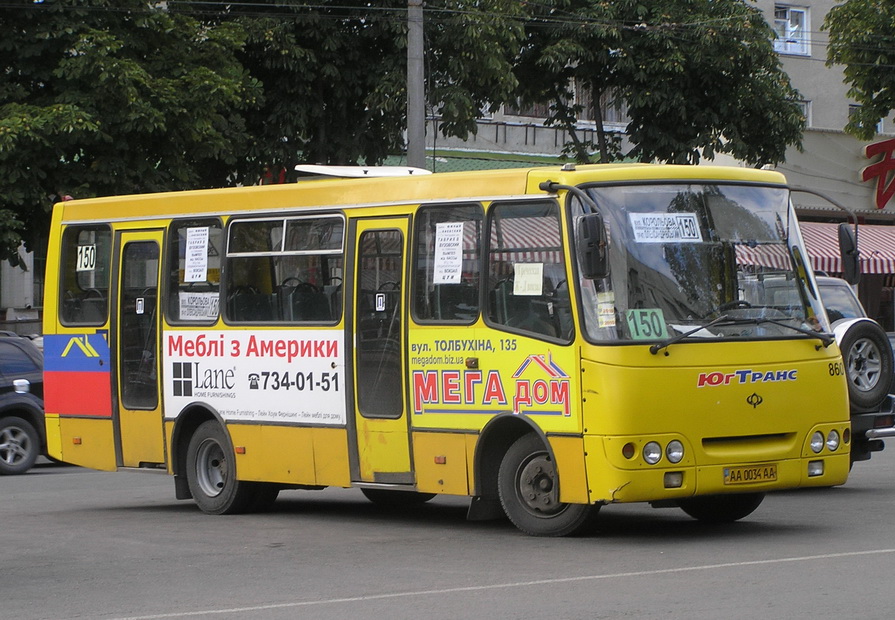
{"x": 501, "y": 586}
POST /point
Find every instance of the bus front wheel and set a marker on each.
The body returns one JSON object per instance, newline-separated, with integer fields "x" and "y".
{"x": 721, "y": 508}
{"x": 211, "y": 472}
{"x": 529, "y": 493}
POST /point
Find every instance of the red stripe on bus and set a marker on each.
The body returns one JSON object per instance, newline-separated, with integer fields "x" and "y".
{"x": 78, "y": 393}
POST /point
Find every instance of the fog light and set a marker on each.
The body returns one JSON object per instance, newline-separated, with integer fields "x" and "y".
{"x": 815, "y": 469}
{"x": 817, "y": 442}
{"x": 652, "y": 453}
{"x": 674, "y": 451}
{"x": 674, "y": 479}
{"x": 833, "y": 441}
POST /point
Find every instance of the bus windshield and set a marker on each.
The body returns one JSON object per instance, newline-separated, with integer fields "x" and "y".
{"x": 682, "y": 256}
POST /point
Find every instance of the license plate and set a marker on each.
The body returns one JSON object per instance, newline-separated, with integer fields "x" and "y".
{"x": 751, "y": 474}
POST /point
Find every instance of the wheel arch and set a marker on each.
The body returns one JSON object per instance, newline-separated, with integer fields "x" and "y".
{"x": 494, "y": 440}
{"x": 30, "y": 409}
{"x": 185, "y": 425}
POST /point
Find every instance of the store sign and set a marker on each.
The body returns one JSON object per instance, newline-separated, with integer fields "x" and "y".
{"x": 881, "y": 170}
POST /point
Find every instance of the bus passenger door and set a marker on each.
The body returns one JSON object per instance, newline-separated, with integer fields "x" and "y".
{"x": 135, "y": 341}
{"x": 381, "y": 427}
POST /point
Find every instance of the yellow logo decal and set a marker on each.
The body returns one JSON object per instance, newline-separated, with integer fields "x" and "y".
{"x": 83, "y": 344}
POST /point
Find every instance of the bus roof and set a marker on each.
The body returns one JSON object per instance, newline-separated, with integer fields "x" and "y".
{"x": 378, "y": 190}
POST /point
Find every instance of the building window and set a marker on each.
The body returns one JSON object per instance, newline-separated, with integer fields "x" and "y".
{"x": 853, "y": 109}
{"x": 534, "y": 110}
{"x": 805, "y": 107}
{"x": 791, "y": 26}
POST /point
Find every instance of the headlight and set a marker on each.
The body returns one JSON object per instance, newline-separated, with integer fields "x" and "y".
{"x": 652, "y": 453}
{"x": 817, "y": 442}
{"x": 833, "y": 440}
{"x": 674, "y": 451}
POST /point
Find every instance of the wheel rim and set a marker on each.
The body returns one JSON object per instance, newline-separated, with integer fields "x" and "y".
{"x": 14, "y": 445}
{"x": 536, "y": 486}
{"x": 211, "y": 468}
{"x": 864, "y": 364}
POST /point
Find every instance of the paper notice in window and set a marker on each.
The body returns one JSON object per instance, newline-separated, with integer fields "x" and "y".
{"x": 665, "y": 227}
{"x": 198, "y": 306}
{"x": 528, "y": 279}
{"x": 196, "y": 256}
{"x": 448, "y": 252}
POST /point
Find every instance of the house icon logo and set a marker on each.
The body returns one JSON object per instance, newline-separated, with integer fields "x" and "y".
{"x": 536, "y": 394}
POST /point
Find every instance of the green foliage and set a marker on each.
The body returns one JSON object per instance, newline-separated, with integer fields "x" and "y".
{"x": 862, "y": 38}
{"x": 699, "y": 77}
{"x": 335, "y": 74}
{"x": 104, "y": 97}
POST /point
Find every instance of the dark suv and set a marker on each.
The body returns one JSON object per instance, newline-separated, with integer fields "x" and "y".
{"x": 22, "y": 434}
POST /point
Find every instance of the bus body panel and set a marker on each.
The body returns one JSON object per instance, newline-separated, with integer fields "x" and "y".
{"x": 87, "y": 442}
{"x": 441, "y": 463}
{"x": 734, "y": 399}
{"x": 570, "y": 456}
{"x": 462, "y": 378}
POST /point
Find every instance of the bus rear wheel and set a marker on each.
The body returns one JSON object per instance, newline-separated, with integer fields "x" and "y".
{"x": 211, "y": 473}
{"x": 529, "y": 492}
{"x": 721, "y": 508}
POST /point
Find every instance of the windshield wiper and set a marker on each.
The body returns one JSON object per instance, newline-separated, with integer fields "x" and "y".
{"x": 824, "y": 337}
{"x": 655, "y": 348}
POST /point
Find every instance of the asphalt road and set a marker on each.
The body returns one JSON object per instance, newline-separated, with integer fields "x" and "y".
{"x": 81, "y": 544}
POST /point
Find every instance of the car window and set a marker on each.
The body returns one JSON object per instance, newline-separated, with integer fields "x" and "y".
{"x": 840, "y": 302}
{"x": 14, "y": 361}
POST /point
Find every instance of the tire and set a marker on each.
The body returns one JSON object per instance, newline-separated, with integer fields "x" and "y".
{"x": 721, "y": 508}
{"x": 265, "y": 495}
{"x": 211, "y": 473}
{"x": 529, "y": 492}
{"x": 19, "y": 446}
{"x": 867, "y": 355}
{"x": 384, "y": 497}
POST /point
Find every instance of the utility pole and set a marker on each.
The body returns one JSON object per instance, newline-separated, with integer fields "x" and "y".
{"x": 416, "y": 94}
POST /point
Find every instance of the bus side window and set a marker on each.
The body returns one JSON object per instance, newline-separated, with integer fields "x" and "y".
{"x": 447, "y": 283}
{"x": 285, "y": 270}
{"x": 86, "y": 260}
{"x": 528, "y": 289}
{"x": 194, "y": 271}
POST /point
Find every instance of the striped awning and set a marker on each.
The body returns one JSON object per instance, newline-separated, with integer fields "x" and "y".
{"x": 774, "y": 256}
{"x": 875, "y": 243}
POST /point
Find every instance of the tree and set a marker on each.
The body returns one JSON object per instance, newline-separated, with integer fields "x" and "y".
{"x": 111, "y": 97}
{"x": 862, "y": 38}
{"x": 102, "y": 97}
{"x": 334, "y": 74}
{"x": 698, "y": 77}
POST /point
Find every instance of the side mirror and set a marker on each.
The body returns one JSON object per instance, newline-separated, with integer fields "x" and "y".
{"x": 591, "y": 245}
{"x": 848, "y": 253}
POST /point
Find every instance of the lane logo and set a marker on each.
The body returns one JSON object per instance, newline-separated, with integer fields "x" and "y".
{"x": 182, "y": 378}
